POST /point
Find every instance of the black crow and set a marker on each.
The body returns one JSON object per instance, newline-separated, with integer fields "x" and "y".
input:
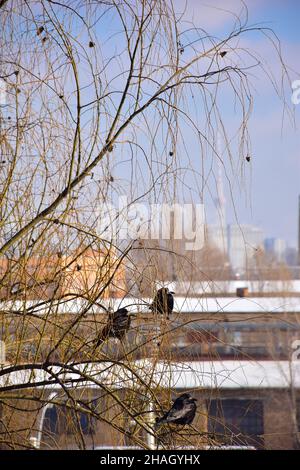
{"x": 182, "y": 412}
{"x": 118, "y": 324}
{"x": 163, "y": 302}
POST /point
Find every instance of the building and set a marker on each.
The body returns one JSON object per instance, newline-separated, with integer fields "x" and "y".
{"x": 243, "y": 243}
{"x": 237, "y": 355}
{"x": 240, "y": 243}
{"x": 217, "y": 236}
{"x": 80, "y": 273}
{"x": 276, "y": 247}
{"x": 240, "y": 404}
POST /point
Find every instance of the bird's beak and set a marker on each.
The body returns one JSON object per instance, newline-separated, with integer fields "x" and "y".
{"x": 172, "y": 293}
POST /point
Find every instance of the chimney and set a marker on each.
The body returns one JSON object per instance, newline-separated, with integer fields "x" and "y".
{"x": 242, "y": 292}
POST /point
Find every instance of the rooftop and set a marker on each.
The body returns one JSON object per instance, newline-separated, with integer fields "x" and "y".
{"x": 182, "y": 305}
{"x": 179, "y": 375}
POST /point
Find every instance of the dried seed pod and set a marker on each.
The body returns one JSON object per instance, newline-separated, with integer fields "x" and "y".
{"x": 40, "y": 30}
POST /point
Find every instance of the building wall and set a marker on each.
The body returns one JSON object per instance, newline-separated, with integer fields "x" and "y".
{"x": 193, "y": 336}
{"x": 278, "y": 411}
{"x": 279, "y": 421}
{"x": 243, "y": 241}
{"x": 21, "y": 419}
{"x": 82, "y": 273}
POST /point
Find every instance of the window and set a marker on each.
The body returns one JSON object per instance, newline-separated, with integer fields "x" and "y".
{"x": 298, "y": 414}
{"x": 50, "y": 425}
{"x": 2, "y": 352}
{"x": 237, "y": 338}
{"x": 234, "y": 337}
{"x": 62, "y": 420}
{"x": 236, "y": 422}
{"x": 203, "y": 336}
{"x": 87, "y": 423}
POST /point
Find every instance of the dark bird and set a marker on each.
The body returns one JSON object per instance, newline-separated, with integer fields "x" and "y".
{"x": 182, "y": 412}
{"x": 118, "y": 324}
{"x": 40, "y": 30}
{"x": 223, "y": 54}
{"x": 163, "y": 302}
{"x": 248, "y": 158}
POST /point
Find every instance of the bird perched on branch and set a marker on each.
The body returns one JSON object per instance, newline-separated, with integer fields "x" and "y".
{"x": 182, "y": 412}
{"x": 163, "y": 302}
{"x": 118, "y": 324}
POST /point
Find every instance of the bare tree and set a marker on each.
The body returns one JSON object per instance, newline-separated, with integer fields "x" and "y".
{"x": 100, "y": 99}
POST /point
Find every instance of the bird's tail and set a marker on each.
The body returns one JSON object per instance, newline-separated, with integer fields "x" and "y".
{"x": 104, "y": 334}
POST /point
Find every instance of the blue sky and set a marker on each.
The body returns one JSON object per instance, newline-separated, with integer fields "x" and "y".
{"x": 268, "y": 196}
{"x": 265, "y": 191}
{"x": 276, "y": 166}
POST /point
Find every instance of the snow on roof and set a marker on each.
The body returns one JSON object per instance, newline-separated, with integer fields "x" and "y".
{"x": 179, "y": 375}
{"x": 182, "y": 305}
{"x": 211, "y": 287}
{"x": 237, "y": 304}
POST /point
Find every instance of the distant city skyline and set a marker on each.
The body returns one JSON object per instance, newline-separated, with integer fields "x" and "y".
{"x": 240, "y": 242}
{"x": 263, "y": 192}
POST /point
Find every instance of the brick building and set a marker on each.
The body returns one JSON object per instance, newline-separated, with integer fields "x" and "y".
{"x": 240, "y": 403}
{"x": 238, "y": 356}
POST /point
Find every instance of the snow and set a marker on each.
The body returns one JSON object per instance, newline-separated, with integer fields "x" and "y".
{"x": 183, "y": 375}
{"x": 230, "y": 286}
{"x": 237, "y": 305}
{"x": 182, "y": 305}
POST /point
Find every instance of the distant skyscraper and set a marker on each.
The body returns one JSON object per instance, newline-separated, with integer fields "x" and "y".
{"x": 291, "y": 256}
{"x": 299, "y": 231}
{"x": 243, "y": 241}
{"x": 217, "y": 233}
{"x": 217, "y": 236}
{"x": 276, "y": 247}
